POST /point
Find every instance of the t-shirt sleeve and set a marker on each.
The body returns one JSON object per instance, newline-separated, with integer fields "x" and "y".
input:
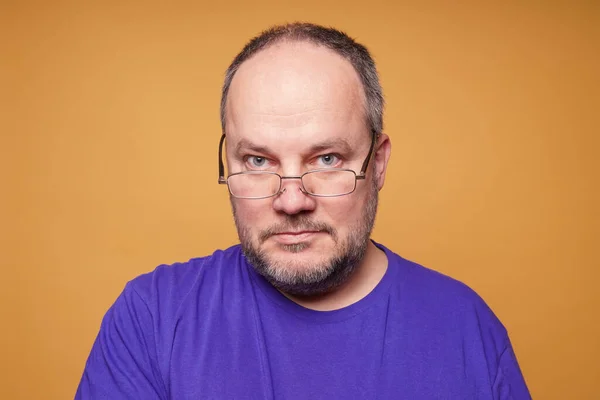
{"x": 509, "y": 383}
{"x": 122, "y": 363}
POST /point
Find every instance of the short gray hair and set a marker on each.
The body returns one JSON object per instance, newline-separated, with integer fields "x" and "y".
{"x": 336, "y": 40}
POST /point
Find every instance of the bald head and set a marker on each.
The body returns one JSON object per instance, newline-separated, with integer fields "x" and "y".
{"x": 294, "y": 82}
{"x": 297, "y": 34}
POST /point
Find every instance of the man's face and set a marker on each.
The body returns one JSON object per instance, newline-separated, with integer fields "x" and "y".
{"x": 292, "y": 108}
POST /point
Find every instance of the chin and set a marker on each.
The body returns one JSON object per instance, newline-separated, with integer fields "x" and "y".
{"x": 306, "y": 268}
{"x": 298, "y": 256}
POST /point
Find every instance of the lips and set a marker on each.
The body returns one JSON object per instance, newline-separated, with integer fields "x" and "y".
{"x": 296, "y": 232}
{"x": 295, "y": 236}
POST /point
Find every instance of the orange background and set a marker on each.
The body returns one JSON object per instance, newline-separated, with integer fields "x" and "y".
{"x": 109, "y": 122}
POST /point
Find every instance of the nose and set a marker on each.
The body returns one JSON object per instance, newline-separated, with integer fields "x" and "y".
{"x": 292, "y": 199}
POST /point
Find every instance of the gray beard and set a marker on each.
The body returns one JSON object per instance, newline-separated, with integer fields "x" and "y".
{"x": 311, "y": 280}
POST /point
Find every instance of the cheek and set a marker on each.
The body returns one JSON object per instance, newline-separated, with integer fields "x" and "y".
{"x": 344, "y": 211}
{"x": 251, "y": 213}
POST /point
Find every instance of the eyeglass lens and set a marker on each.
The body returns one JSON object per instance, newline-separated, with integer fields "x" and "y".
{"x": 320, "y": 183}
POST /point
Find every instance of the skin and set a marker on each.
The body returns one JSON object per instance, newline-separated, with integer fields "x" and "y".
{"x": 290, "y": 107}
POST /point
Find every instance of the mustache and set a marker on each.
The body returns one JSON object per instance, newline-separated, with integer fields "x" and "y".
{"x": 300, "y": 223}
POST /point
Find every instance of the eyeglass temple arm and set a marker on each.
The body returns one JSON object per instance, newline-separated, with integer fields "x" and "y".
{"x": 363, "y": 170}
{"x": 222, "y": 179}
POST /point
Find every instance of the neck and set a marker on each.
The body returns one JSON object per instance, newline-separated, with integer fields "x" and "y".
{"x": 368, "y": 274}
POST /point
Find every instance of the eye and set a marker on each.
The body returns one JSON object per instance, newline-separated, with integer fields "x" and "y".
{"x": 328, "y": 160}
{"x": 256, "y": 161}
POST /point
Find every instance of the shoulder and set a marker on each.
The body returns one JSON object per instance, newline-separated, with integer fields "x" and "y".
{"x": 168, "y": 287}
{"x": 428, "y": 284}
{"x": 443, "y": 301}
{"x": 446, "y": 320}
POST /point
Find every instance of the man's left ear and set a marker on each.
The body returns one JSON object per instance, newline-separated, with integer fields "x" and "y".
{"x": 383, "y": 150}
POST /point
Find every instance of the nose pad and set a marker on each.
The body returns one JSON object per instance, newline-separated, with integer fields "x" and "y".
{"x": 300, "y": 188}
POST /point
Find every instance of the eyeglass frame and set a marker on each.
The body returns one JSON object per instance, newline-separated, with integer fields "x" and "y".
{"x": 360, "y": 176}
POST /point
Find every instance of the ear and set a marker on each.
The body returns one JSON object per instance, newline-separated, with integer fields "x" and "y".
{"x": 383, "y": 150}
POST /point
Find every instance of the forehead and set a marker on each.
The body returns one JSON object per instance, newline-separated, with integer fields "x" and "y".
{"x": 293, "y": 90}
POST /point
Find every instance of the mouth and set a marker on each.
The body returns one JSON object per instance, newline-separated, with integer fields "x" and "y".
{"x": 293, "y": 237}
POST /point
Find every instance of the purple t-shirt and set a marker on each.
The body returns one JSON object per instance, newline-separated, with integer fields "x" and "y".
{"x": 212, "y": 328}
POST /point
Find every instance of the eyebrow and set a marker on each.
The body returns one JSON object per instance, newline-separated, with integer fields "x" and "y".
{"x": 245, "y": 144}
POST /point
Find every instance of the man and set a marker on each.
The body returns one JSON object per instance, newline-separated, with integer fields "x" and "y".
{"x": 307, "y": 306}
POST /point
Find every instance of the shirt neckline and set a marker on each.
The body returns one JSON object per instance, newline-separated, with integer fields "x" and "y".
{"x": 379, "y": 292}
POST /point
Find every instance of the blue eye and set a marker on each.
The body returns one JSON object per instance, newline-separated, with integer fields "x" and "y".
{"x": 256, "y": 161}
{"x": 328, "y": 159}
